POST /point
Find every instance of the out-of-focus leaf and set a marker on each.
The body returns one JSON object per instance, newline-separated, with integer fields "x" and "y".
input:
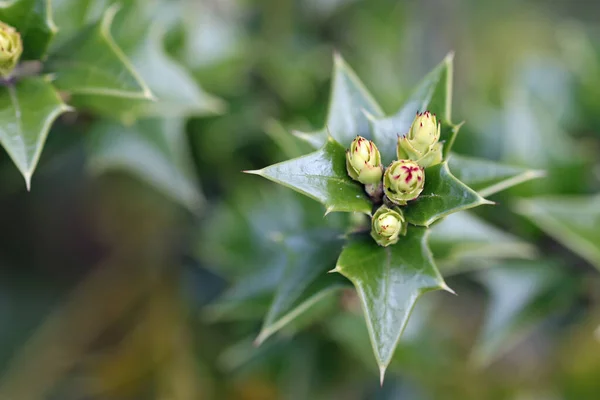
{"x": 346, "y": 116}
{"x": 571, "y": 220}
{"x": 442, "y": 195}
{"x": 304, "y": 281}
{"x": 389, "y": 280}
{"x": 463, "y": 240}
{"x": 27, "y": 111}
{"x": 488, "y": 177}
{"x": 33, "y": 20}
{"x": 153, "y": 150}
{"x": 176, "y": 92}
{"x": 434, "y": 93}
{"x": 322, "y": 176}
{"x": 92, "y": 63}
{"x": 522, "y": 295}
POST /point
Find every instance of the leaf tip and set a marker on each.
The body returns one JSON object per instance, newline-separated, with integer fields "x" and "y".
{"x": 447, "y": 288}
{"x": 259, "y": 339}
{"x": 331, "y": 271}
{"x": 27, "y": 177}
{"x": 382, "y": 369}
{"x": 253, "y": 171}
{"x": 449, "y": 57}
{"x": 329, "y": 210}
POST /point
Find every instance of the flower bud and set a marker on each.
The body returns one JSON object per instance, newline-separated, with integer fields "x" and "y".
{"x": 403, "y": 181}
{"x": 387, "y": 225}
{"x": 421, "y": 143}
{"x": 11, "y": 48}
{"x": 363, "y": 161}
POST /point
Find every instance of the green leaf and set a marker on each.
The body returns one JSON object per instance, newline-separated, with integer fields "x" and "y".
{"x": 434, "y": 93}
{"x": 176, "y": 92}
{"x": 27, "y": 112}
{"x": 322, "y": 176}
{"x": 488, "y": 177}
{"x": 346, "y": 116}
{"x": 571, "y": 220}
{"x": 33, "y": 19}
{"x": 463, "y": 241}
{"x": 442, "y": 195}
{"x": 522, "y": 295}
{"x": 389, "y": 280}
{"x": 305, "y": 281}
{"x": 92, "y": 63}
{"x": 153, "y": 150}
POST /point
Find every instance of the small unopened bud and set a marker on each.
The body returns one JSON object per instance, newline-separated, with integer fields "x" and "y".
{"x": 421, "y": 143}
{"x": 363, "y": 161}
{"x": 387, "y": 225}
{"x": 11, "y": 48}
{"x": 403, "y": 181}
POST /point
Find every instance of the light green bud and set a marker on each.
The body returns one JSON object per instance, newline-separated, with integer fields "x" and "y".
{"x": 387, "y": 225}
{"x": 421, "y": 143}
{"x": 11, "y": 48}
{"x": 363, "y": 161}
{"x": 403, "y": 181}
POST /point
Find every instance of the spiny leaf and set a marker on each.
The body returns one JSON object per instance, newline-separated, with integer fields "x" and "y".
{"x": 434, "y": 93}
{"x": 154, "y": 150}
{"x": 488, "y": 177}
{"x": 571, "y": 220}
{"x": 305, "y": 280}
{"x": 389, "y": 280}
{"x": 33, "y": 20}
{"x": 347, "y": 105}
{"x": 92, "y": 63}
{"x": 322, "y": 176}
{"x": 27, "y": 112}
{"x": 442, "y": 195}
{"x": 176, "y": 92}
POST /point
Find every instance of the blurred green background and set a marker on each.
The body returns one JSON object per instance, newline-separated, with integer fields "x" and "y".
{"x": 113, "y": 269}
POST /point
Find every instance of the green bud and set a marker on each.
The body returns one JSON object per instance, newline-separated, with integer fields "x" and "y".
{"x": 363, "y": 161}
{"x": 421, "y": 143}
{"x": 403, "y": 181}
{"x": 387, "y": 225}
{"x": 11, "y": 48}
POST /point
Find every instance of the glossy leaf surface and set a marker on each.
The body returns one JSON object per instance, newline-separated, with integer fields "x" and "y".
{"x": 92, "y": 63}
{"x": 27, "y": 111}
{"x": 434, "y": 93}
{"x": 389, "y": 280}
{"x": 442, "y": 195}
{"x": 322, "y": 176}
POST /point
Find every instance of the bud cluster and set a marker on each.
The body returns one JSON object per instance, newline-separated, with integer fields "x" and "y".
{"x": 402, "y": 181}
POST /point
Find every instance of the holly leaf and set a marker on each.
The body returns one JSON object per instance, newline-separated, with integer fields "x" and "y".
{"x": 304, "y": 281}
{"x": 33, "y": 20}
{"x": 176, "y": 92}
{"x": 322, "y": 176}
{"x": 153, "y": 150}
{"x": 571, "y": 220}
{"x": 488, "y": 177}
{"x": 92, "y": 63}
{"x": 434, "y": 93}
{"x": 442, "y": 195}
{"x": 27, "y": 112}
{"x": 462, "y": 241}
{"x": 389, "y": 280}
{"x": 347, "y": 105}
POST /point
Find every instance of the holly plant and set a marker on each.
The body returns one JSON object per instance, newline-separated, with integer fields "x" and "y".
{"x": 399, "y": 178}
